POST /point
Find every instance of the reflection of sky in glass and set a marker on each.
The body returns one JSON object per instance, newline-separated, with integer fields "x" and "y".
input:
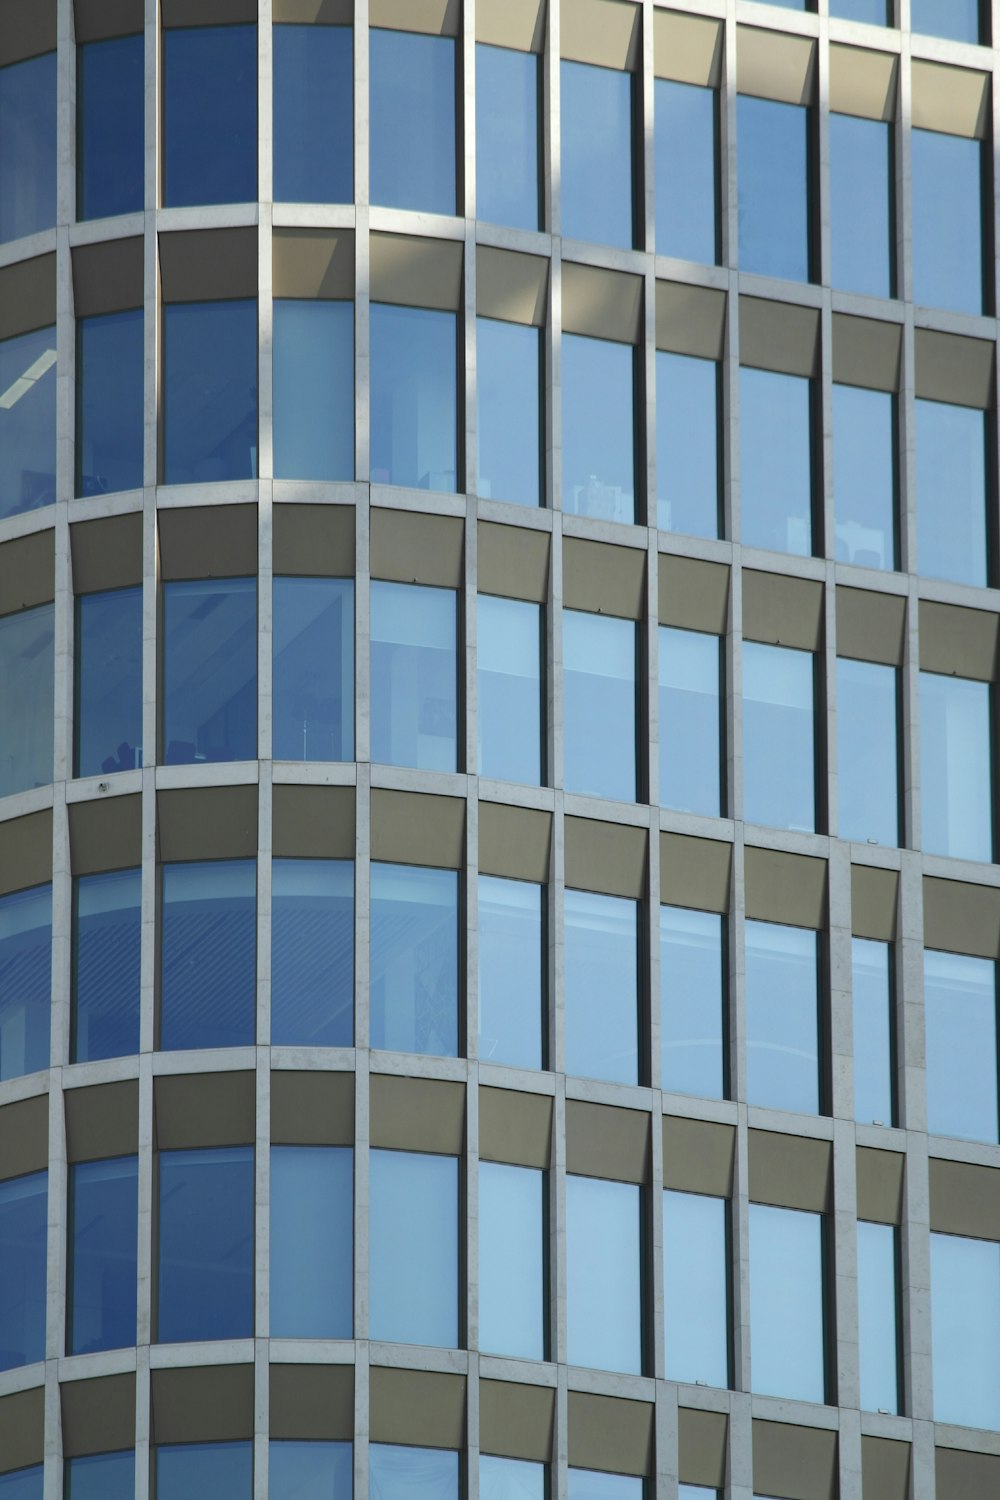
{"x": 511, "y": 972}
{"x": 773, "y": 182}
{"x": 25, "y": 981}
{"x": 109, "y": 430}
{"x": 414, "y": 959}
{"x": 877, "y": 1317}
{"x": 947, "y": 220}
{"x": 598, "y": 428}
{"x": 313, "y": 114}
{"x": 27, "y": 421}
{"x": 100, "y": 1476}
{"x": 603, "y": 1274}
{"x": 692, "y": 999}
{"x": 860, "y": 204}
{"x": 596, "y": 167}
{"x": 510, "y": 1479}
{"x": 779, "y": 771}
{"x": 312, "y": 952}
{"x": 413, "y": 1270}
{"x": 695, "y": 1289}
{"x": 412, "y": 120}
{"x": 965, "y": 1316}
{"x": 208, "y": 973}
{"x": 509, "y": 411}
{"x": 313, "y": 708}
{"x": 872, "y": 989}
{"x": 957, "y": 19}
{"x": 874, "y": 12}
{"x": 960, "y": 1019}
{"x": 27, "y": 147}
{"x": 414, "y": 397}
{"x": 867, "y": 751}
{"x": 110, "y": 127}
{"x": 104, "y": 1219}
{"x": 508, "y": 662}
{"x": 776, "y": 461}
{"x": 599, "y": 705}
{"x": 206, "y": 1225}
{"x": 414, "y": 700}
{"x": 209, "y": 705}
{"x": 309, "y": 1471}
{"x": 786, "y": 1303}
{"x": 108, "y": 682}
{"x": 187, "y": 1469}
{"x": 782, "y": 1017}
{"x": 511, "y": 1260}
{"x": 313, "y": 351}
{"x": 864, "y": 476}
{"x": 106, "y": 938}
{"x": 685, "y": 150}
{"x": 690, "y": 670}
{"x": 602, "y": 986}
{"x": 956, "y": 789}
{"x": 951, "y": 492}
{"x": 23, "y": 1218}
{"x": 312, "y": 1242}
{"x": 209, "y": 95}
{"x": 507, "y": 142}
{"x": 209, "y": 391}
{"x": 687, "y": 444}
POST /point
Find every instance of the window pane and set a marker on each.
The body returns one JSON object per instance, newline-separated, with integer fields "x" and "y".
{"x": 692, "y": 1000}
{"x": 413, "y": 121}
{"x": 598, "y": 427}
{"x": 786, "y": 1303}
{"x": 313, "y": 703}
{"x": 874, "y": 12}
{"x": 958, "y": 19}
{"x": 208, "y": 984}
{"x": 25, "y": 981}
{"x": 206, "y": 1221}
{"x": 960, "y": 1017}
{"x": 27, "y": 421}
{"x": 104, "y": 1476}
{"x": 874, "y": 1061}
{"x": 965, "y": 1319}
{"x": 877, "y": 1317}
{"x": 27, "y": 666}
{"x": 509, "y": 679}
{"x": 773, "y": 143}
{"x": 312, "y": 1242}
{"x": 782, "y": 1017}
{"x": 27, "y": 148}
{"x": 599, "y": 705}
{"x": 413, "y": 1272}
{"x": 511, "y": 1260}
{"x": 23, "y": 1228}
{"x": 310, "y": 1471}
{"x": 110, "y": 127}
{"x": 687, "y": 444}
{"x": 312, "y": 952}
{"x": 776, "y": 461}
{"x": 685, "y": 150}
{"x": 109, "y": 413}
{"x": 861, "y": 205}
{"x": 313, "y": 114}
{"x": 951, "y": 492}
{"x": 511, "y": 1479}
{"x": 414, "y": 702}
{"x": 690, "y": 671}
{"x": 864, "y": 476}
{"x": 779, "y": 775}
{"x": 414, "y": 395}
{"x": 696, "y": 1288}
{"x": 109, "y": 682}
{"x": 22, "y": 1484}
{"x": 604, "y": 1274}
{"x": 947, "y": 213}
{"x": 411, "y": 1473}
{"x": 956, "y": 797}
{"x": 511, "y": 972}
{"x": 868, "y": 751}
{"x": 209, "y": 708}
{"x": 588, "y": 1484}
{"x": 104, "y": 1220}
{"x": 602, "y": 986}
{"x": 509, "y": 409}
{"x": 507, "y": 96}
{"x": 596, "y": 168}
{"x": 209, "y": 390}
{"x": 209, "y": 114}
{"x": 414, "y": 959}
{"x": 696, "y": 1492}
{"x": 221, "y": 1469}
{"x": 106, "y": 941}
{"x": 313, "y": 352}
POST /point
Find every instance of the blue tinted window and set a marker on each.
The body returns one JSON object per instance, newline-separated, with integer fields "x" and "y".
{"x": 951, "y": 492}
{"x": 108, "y": 682}
{"x": 23, "y": 1228}
{"x": 965, "y": 1330}
{"x": 602, "y": 986}
{"x": 687, "y": 444}
{"x": 695, "y": 1288}
{"x": 696, "y": 1492}
{"x": 110, "y": 127}
{"x": 596, "y": 168}
{"x": 312, "y": 714}
{"x": 187, "y": 1469}
{"x": 27, "y": 686}
{"x": 864, "y": 476}
{"x": 690, "y": 669}
{"x": 412, "y": 120}
{"x": 604, "y": 1274}
{"x": 786, "y": 1303}
{"x": 782, "y": 1017}
{"x": 208, "y": 989}
{"x": 25, "y": 981}
{"x": 413, "y": 1272}
{"x": 600, "y": 705}
{"x": 511, "y": 972}
{"x": 776, "y": 461}
{"x": 947, "y": 212}
{"x": 509, "y": 681}
{"x": 104, "y": 1229}
{"x": 872, "y": 987}
{"x": 109, "y": 403}
{"x": 102, "y": 1476}
{"x": 960, "y": 1020}
{"x": 22, "y": 1484}
{"x": 598, "y": 428}
{"x": 27, "y": 147}
{"x": 692, "y": 1001}
{"x": 310, "y": 1471}
{"x": 27, "y": 421}
{"x": 414, "y": 699}
{"x": 511, "y": 1479}
{"x": 874, "y": 12}
{"x": 106, "y": 942}
{"x": 957, "y": 19}
{"x": 861, "y": 205}
{"x": 312, "y": 1242}
{"x": 411, "y": 1473}
{"x": 588, "y": 1484}
{"x": 773, "y": 178}
{"x": 209, "y": 706}
{"x": 313, "y": 353}
{"x": 209, "y": 391}
{"x": 414, "y": 959}
{"x": 312, "y": 952}
{"x": 686, "y": 146}
{"x": 878, "y": 1331}
{"x": 206, "y": 1221}
{"x": 210, "y": 115}
{"x": 313, "y": 114}
{"x": 778, "y": 732}
{"x": 511, "y": 1260}
{"x": 507, "y": 140}
{"x": 956, "y": 785}
{"x": 867, "y": 751}
{"x": 509, "y": 411}
{"x": 414, "y": 396}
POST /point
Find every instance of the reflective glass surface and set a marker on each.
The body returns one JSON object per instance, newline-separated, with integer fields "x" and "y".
{"x": 312, "y": 716}
{"x": 947, "y": 220}
{"x": 861, "y": 205}
{"x": 589, "y": 1484}
{"x": 106, "y": 941}
{"x": 508, "y": 90}
{"x": 600, "y": 706}
{"x": 414, "y": 959}
{"x": 27, "y": 421}
{"x": 956, "y": 796}
{"x": 310, "y": 1470}
{"x": 957, "y": 19}
{"x": 25, "y": 981}
{"x": 209, "y": 114}
{"x": 209, "y": 390}
{"x": 206, "y": 1224}
{"x": 313, "y": 114}
{"x": 511, "y": 1260}
{"x": 776, "y": 461}
{"x": 874, "y": 1061}
{"x": 108, "y": 720}
{"x": 22, "y": 1484}
{"x": 509, "y": 410}
{"x": 23, "y": 1228}
{"x": 208, "y": 957}
{"x": 209, "y": 703}
{"x": 27, "y": 666}
{"x": 604, "y": 1274}
{"x": 101, "y": 1476}
{"x": 110, "y": 127}
{"x": 786, "y": 1303}
{"x": 411, "y": 1473}
{"x": 951, "y": 492}
{"x": 414, "y": 699}
{"x": 874, "y": 12}
{"x": 313, "y": 353}
{"x": 695, "y": 1288}
{"x": 103, "y": 1250}
{"x": 414, "y": 395}
{"x": 224, "y": 1470}
{"x": 960, "y": 1020}
{"x": 696, "y": 1492}
{"x": 868, "y": 751}
{"x": 685, "y": 155}
{"x": 413, "y": 1238}
{"x": 878, "y": 1336}
{"x": 598, "y": 427}
{"x": 690, "y": 669}
{"x": 692, "y": 1001}
{"x": 779, "y": 768}
{"x": 782, "y": 1017}
{"x": 596, "y": 168}
{"x": 864, "y": 476}
{"x": 687, "y": 444}
{"x": 509, "y": 685}
{"x": 773, "y": 181}
{"x": 965, "y": 1317}
{"x": 511, "y": 1479}
{"x": 109, "y": 402}
{"x": 412, "y": 121}
{"x": 601, "y": 960}
{"x": 312, "y": 952}
{"x": 27, "y": 147}
{"x": 312, "y": 1242}
{"x": 511, "y": 972}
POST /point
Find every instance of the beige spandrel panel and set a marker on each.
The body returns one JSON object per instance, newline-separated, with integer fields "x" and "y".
{"x": 313, "y": 12}
{"x": 27, "y": 295}
{"x": 788, "y": 888}
{"x": 208, "y": 541}
{"x": 105, "y": 834}
{"x": 871, "y": 626}
{"x": 106, "y": 553}
{"x": 866, "y": 352}
{"x": 954, "y": 101}
{"x": 97, "y": 20}
{"x": 693, "y": 594}
{"x": 702, "y": 1440}
{"x": 519, "y": 24}
{"x": 98, "y": 1416}
{"x": 601, "y": 304}
{"x": 779, "y": 336}
{"x": 107, "y": 277}
{"x": 209, "y": 1403}
{"x": 311, "y": 1403}
{"x": 28, "y": 29}
{"x": 604, "y": 1141}
{"x": 879, "y": 1179}
{"x": 605, "y": 857}
{"x": 24, "y": 1139}
{"x": 408, "y": 547}
{"x": 607, "y": 33}
{"x": 418, "y": 1407}
{"x": 790, "y": 1171}
{"x": 515, "y": 1127}
{"x": 433, "y": 17}
{"x": 956, "y": 370}
{"x": 790, "y": 1460}
{"x": 775, "y": 65}
{"x": 25, "y": 851}
{"x": 863, "y": 83}
{"x": 313, "y": 540}
{"x": 688, "y": 49}
{"x": 27, "y": 572}
{"x": 696, "y": 873}
{"x": 885, "y": 1468}
{"x": 313, "y": 263}
{"x": 965, "y": 1199}
{"x": 515, "y": 842}
{"x": 690, "y": 319}
{"x": 416, "y": 272}
{"x": 22, "y": 1429}
{"x": 102, "y": 1120}
{"x": 962, "y": 918}
{"x": 958, "y": 642}
{"x": 610, "y": 1434}
{"x": 779, "y": 610}
{"x": 515, "y": 1420}
{"x": 204, "y": 265}
{"x": 698, "y": 1156}
{"x": 511, "y": 286}
{"x": 874, "y": 903}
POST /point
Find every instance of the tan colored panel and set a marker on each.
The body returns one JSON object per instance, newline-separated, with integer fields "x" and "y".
{"x": 607, "y": 857}
{"x": 417, "y": 1114}
{"x": 874, "y": 902}
{"x": 22, "y": 1429}
{"x": 98, "y": 1416}
{"x": 880, "y": 1185}
{"x": 312, "y": 1109}
{"x": 312, "y": 1403}
{"x": 24, "y": 1138}
{"x": 690, "y": 319}
{"x": 417, "y": 1408}
{"x": 513, "y": 562}
{"x": 416, "y": 272}
{"x": 956, "y": 370}
{"x": 885, "y": 1468}
{"x": 211, "y": 1403}
{"x": 511, "y": 286}
{"x": 609, "y": 1434}
{"x": 203, "y": 1109}
{"x": 866, "y": 352}
{"x": 107, "y": 277}
{"x": 863, "y": 83}
{"x": 415, "y": 828}
{"x": 602, "y": 304}
{"x": 965, "y": 1476}
{"x": 105, "y": 835}
{"x": 603, "y": 1141}
{"x": 698, "y": 1156}
{"x": 953, "y": 100}
{"x": 605, "y": 32}
{"x": 435, "y": 17}
{"x": 800, "y": 1461}
{"x": 207, "y": 12}
{"x": 314, "y": 541}
{"x": 606, "y": 580}
{"x": 965, "y": 1199}
{"x": 687, "y": 48}
{"x": 208, "y": 541}
{"x": 519, "y": 24}
{"x": 779, "y": 336}
{"x": 313, "y": 12}
{"x": 313, "y": 822}
{"x": 515, "y": 1420}
{"x": 962, "y": 918}
{"x": 783, "y": 611}
{"x": 787, "y": 888}
{"x": 515, "y": 1127}
{"x": 693, "y": 594}
{"x": 218, "y": 822}
{"x": 695, "y": 872}
{"x": 208, "y": 265}
{"x": 958, "y": 642}
{"x": 313, "y": 263}
{"x": 27, "y": 572}
{"x": 102, "y": 1121}
{"x": 871, "y": 627}
{"x": 773, "y": 65}
{"x": 701, "y": 1444}
{"x": 107, "y": 554}
{"x": 410, "y": 547}
{"x": 790, "y": 1171}
{"x": 28, "y": 296}
{"x": 28, "y": 30}
{"x": 515, "y": 842}
{"x": 26, "y": 852}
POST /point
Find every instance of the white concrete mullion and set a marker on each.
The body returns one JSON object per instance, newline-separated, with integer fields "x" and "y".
{"x": 557, "y": 1283}
{"x": 471, "y": 1309}
{"x": 645, "y": 75}
{"x": 844, "y": 1329}
{"x": 262, "y": 1264}
{"x": 654, "y": 1310}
